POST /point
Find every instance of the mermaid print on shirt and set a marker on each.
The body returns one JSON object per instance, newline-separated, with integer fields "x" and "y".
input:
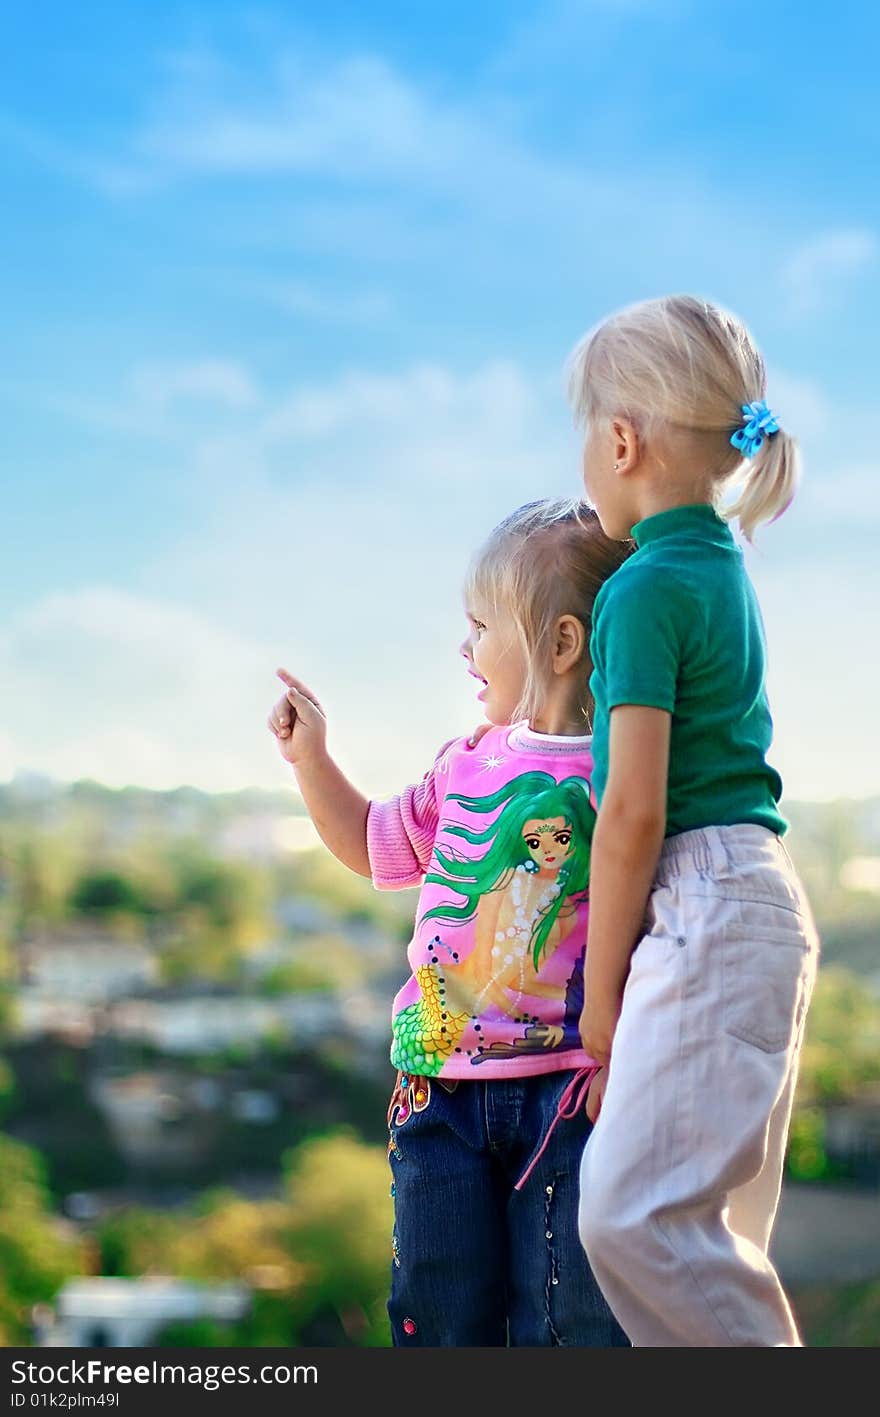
{"x": 503, "y": 896}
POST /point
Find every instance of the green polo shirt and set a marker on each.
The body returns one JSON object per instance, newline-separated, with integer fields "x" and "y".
{"x": 677, "y": 627}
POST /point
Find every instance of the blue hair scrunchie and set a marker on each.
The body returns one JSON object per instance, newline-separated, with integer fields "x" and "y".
{"x": 759, "y": 422}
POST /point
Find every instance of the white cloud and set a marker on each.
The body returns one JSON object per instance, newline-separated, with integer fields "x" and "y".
{"x": 125, "y": 688}
{"x": 7, "y": 757}
{"x": 350, "y": 121}
{"x": 334, "y": 530}
{"x": 340, "y": 532}
{"x": 157, "y": 385}
{"x": 337, "y": 306}
{"x": 817, "y": 271}
{"x": 155, "y": 394}
{"x": 349, "y": 156}
{"x": 802, "y": 404}
{"x": 845, "y": 491}
{"x": 113, "y": 176}
{"x": 353, "y": 117}
{"x": 402, "y": 404}
{"x": 333, "y": 539}
{"x": 358, "y": 123}
{"x": 560, "y": 31}
{"x": 332, "y": 523}
{"x": 823, "y": 686}
{"x": 354, "y": 158}
{"x": 291, "y": 111}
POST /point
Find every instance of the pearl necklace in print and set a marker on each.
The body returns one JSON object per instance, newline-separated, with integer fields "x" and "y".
{"x": 513, "y": 944}
{"x": 516, "y": 939}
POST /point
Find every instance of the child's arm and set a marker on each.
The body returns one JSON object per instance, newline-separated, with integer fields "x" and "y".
{"x": 626, "y": 845}
{"x": 334, "y": 804}
{"x": 401, "y": 831}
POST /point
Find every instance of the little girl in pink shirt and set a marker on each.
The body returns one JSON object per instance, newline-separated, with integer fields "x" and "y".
{"x": 485, "y": 1030}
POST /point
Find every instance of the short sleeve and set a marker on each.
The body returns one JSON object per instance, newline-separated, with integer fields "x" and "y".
{"x": 401, "y": 831}
{"x": 638, "y": 641}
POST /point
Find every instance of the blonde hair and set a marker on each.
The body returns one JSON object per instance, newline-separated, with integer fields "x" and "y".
{"x": 546, "y": 559}
{"x": 684, "y": 363}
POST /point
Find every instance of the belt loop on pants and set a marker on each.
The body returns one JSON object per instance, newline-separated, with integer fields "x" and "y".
{"x": 716, "y": 851}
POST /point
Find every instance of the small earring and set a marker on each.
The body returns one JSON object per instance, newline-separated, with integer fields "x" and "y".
{"x": 616, "y": 466}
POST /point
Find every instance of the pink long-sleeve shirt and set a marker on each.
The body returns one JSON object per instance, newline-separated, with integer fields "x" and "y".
{"x": 498, "y": 837}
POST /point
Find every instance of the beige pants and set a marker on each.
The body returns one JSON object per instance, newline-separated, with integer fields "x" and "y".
{"x": 681, "y": 1176}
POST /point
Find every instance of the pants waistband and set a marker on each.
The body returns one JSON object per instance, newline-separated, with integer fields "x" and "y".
{"x": 714, "y": 850}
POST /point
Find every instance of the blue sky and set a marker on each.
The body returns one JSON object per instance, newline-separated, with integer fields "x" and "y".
{"x": 287, "y": 295}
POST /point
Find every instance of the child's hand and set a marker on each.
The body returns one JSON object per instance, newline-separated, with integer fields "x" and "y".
{"x": 597, "y": 1025}
{"x": 596, "y": 1093}
{"x": 298, "y": 721}
{"x": 477, "y": 734}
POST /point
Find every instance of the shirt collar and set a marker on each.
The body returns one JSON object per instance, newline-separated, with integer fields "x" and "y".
{"x": 525, "y": 738}
{"x": 696, "y": 519}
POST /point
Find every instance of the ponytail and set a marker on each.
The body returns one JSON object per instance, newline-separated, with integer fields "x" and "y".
{"x": 768, "y": 484}
{"x": 683, "y": 366}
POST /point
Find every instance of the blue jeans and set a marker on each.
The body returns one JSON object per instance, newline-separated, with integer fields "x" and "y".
{"x": 475, "y": 1262}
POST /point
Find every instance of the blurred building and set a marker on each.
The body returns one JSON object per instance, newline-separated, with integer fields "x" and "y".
{"x": 852, "y": 1135}
{"x": 192, "y": 1021}
{"x": 88, "y": 968}
{"x": 128, "y": 1313}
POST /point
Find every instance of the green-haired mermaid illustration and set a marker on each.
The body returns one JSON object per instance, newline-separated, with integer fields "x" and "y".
{"x": 522, "y": 893}
{"x": 535, "y": 799}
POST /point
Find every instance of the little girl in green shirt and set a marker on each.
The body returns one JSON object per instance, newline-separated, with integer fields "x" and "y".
{"x": 701, "y": 951}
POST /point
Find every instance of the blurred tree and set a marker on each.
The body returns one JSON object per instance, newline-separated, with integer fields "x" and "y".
{"x": 105, "y": 893}
{"x": 317, "y": 1260}
{"x": 295, "y": 977}
{"x": 35, "y": 1256}
{"x": 839, "y": 1316}
{"x": 841, "y": 1051}
{"x": 200, "y": 1333}
{"x": 51, "y": 1107}
{"x": 40, "y": 871}
{"x": 806, "y": 1159}
{"x": 233, "y": 895}
{"x": 134, "y": 1241}
{"x": 340, "y": 1223}
{"x": 7, "y": 971}
{"x": 317, "y": 875}
{"x": 7, "y": 1087}
{"x": 322, "y": 962}
{"x": 220, "y": 911}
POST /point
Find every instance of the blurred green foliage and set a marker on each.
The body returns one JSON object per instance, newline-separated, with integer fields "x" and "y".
{"x": 168, "y": 871}
{"x": 36, "y": 1255}
{"x": 807, "y": 1159}
{"x": 317, "y": 1258}
{"x": 841, "y": 1053}
{"x": 844, "y": 1316}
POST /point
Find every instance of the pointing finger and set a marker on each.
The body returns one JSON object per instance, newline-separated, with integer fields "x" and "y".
{"x": 296, "y": 688}
{"x": 287, "y": 678}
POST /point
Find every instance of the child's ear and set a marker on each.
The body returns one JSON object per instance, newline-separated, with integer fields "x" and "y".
{"x": 628, "y": 445}
{"x": 571, "y": 641}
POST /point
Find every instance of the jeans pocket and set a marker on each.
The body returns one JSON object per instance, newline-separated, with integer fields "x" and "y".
{"x": 767, "y": 981}
{"x": 411, "y": 1096}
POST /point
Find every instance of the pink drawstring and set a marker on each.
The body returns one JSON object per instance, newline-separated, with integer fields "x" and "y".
{"x": 570, "y": 1103}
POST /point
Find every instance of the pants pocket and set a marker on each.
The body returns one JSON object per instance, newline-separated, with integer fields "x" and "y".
{"x": 767, "y": 981}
